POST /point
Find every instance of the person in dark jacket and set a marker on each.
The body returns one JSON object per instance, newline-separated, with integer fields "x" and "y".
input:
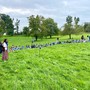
{"x": 1, "y": 47}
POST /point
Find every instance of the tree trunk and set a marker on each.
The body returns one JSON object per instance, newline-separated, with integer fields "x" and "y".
{"x": 50, "y": 36}
{"x": 17, "y": 30}
{"x": 69, "y": 36}
{"x": 36, "y": 38}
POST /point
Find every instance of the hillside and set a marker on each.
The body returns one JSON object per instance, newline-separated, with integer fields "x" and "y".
{"x": 59, "y": 67}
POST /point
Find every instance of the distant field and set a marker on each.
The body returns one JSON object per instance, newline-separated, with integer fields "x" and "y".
{"x": 59, "y": 67}
{"x": 22, "y": 40}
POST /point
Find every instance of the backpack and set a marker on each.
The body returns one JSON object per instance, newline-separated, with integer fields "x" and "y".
{"x": 1, "y": 48}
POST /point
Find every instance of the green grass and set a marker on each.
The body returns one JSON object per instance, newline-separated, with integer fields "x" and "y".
{"x": 59, "y": 67}
{"x": 22, "y": 40}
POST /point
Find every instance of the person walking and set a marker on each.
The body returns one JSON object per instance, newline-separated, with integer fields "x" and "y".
{"x": 5, "y": 50}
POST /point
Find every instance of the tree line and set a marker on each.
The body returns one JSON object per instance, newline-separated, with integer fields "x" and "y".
{"x": 39, "y": 26}
{"x": 7, "y": 26}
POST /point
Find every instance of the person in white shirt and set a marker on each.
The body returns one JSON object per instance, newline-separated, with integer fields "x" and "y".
{"x": 5, "y": 50}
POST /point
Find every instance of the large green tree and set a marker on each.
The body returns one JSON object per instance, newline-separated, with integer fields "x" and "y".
{"x": 87, "y": 27}
{"x": 8, "y": 27}
{"x": 50, "y": 27}
{"x": 77, "y": 28}
{"x": 26, "y": 31}
{"x": 2, "y": 24}
{"x": 68, "y": 30}
{"x": 68, "y": 27}
{"x": 72, "y": 27}
{"x": 35, "y": 25}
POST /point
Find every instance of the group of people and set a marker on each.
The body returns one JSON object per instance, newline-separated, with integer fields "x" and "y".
{"x": 4, "y": 46}
{"x": 4, "y": 49}
{"x": 14, "y": 48}
{"x": 33, "y": 45}
{"x": 83, "y": 38}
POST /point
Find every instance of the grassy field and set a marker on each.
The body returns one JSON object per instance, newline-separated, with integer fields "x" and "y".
{"x": 22, "y": 40}
{"x": 59, "y": 67}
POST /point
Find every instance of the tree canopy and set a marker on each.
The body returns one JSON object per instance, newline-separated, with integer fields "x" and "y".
{"x": 7, "y": 26}
{"x": 40, "y": 26}
{"x": 87, "y": 27}
{"x": 71, "y": 26}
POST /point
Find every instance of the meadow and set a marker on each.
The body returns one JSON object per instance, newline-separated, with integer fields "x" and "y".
{"x": 58, "y": 67}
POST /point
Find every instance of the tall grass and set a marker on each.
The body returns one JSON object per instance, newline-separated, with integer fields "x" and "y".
{"x": 59, "y": 67}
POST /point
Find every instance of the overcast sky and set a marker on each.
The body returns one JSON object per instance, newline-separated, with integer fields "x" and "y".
{"x": 56, "y": 9}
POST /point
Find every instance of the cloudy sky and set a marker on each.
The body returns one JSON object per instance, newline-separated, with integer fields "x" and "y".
{"x": 56, "y": 9}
